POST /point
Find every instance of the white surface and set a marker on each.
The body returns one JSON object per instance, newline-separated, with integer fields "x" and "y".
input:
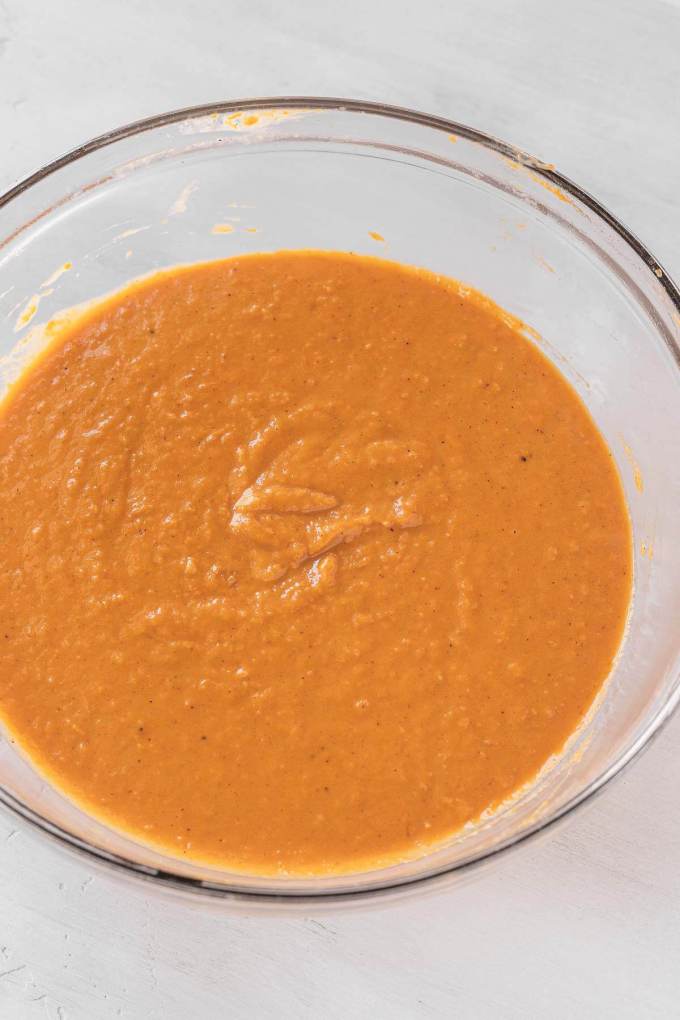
{"x": 585, "y": 924}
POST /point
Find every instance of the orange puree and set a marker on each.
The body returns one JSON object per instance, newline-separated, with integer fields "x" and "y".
{"x": 307, "y": 559}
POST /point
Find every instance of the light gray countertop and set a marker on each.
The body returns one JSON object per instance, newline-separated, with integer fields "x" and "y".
{"x": 583, "y": 924}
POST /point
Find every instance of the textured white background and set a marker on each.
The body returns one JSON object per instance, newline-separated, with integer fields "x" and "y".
{"x": 585, "y": 924}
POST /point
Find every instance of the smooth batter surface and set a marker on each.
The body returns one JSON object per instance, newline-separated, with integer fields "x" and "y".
{"x": 306, "y": 559}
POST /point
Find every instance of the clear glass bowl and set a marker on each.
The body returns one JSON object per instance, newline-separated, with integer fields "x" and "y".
{"x": 322, "y": 173}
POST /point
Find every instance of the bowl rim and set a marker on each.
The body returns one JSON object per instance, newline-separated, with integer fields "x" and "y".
{"x": 232, "y": 890}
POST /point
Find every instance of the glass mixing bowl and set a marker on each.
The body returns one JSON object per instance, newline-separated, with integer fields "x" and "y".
{"x": 325, "y": 173}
